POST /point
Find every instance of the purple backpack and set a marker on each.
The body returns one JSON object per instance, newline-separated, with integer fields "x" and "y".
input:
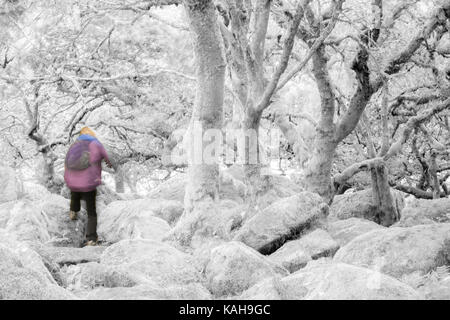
{"x": 77, "y": 157}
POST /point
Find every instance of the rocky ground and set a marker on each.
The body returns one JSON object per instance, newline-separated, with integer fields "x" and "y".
{"x": 294, "y": 247}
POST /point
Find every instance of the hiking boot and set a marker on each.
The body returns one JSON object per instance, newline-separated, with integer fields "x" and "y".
{"x": 91, "y": 243}
{"x": 73, "y": 215}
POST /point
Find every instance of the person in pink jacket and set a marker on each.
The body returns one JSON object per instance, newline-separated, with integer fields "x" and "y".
{"x": 83, "y": 178}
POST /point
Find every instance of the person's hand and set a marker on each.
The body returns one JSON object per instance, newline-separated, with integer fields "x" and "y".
{"x": 108, "y": 164}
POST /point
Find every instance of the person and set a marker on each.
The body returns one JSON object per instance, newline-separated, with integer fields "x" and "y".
{"x": 83, "y": 174}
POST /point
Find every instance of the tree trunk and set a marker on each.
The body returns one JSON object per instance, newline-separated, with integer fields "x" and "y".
{"x": 318, "y": 171}
{"x": 295, "y": 141}
{"x": 203, "y": 178}
{"x": 49, "y": 170}
{"x": 119, "y": 179}
{"x": 255, "y": 180}
{"x": 386, "y": 209}
{"x": 48, "y": 175}
{"x": 434, "y": 177}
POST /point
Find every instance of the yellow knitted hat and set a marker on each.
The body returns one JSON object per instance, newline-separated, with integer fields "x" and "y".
{"x": 88, "y": 131}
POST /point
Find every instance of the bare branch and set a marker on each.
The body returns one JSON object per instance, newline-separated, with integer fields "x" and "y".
{"x": 317, "y": 43}
{"x": 284, "y": 60}
{"x": 412, "y": 123}
{"x": 438, "y": 18}
{"x": 355, "y": 168}
{"x": 418, "y": 193}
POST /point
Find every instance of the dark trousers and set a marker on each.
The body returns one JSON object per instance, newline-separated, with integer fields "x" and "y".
{"x": 75, "y": 205}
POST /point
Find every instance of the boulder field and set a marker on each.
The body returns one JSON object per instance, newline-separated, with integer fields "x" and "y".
{"x": 295, "y": 247}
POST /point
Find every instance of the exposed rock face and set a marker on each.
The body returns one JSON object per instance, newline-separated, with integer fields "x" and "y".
{"x": 436, "y": 291}
{"x": 10, "y": 187}
{"x": 267, "y": 289}
{"x": 318, "y": 244}
{"x": 283, "y": 220}
{"x": 168, "y": 210}
{"x": 294, "y": 254}
{"x": 232, "y": 187}
{"x": 291, "y": 257}
{"x": 355, "y": 204}
{"x": 359, "y": 205}
{"x": 28, "y": 257}
{"x": 34, "y": 191}
{"x": 18, "y": 282}
{"x": 172, "y": 189}
{"x": 26, "y": 284}
{"x": 422, "y": 211}
{"x": 8, "y": 258}
{"x": 63, "y": 231}
{"x": 233, "y": 267}
{"x": 208, "y": 221}
{"x": 336, "y": 281}
{"x": 400, "y": 251}
{"x": 342, "y": 281}
{"x": 46, "y": 221}
{"x": 434, "y": 285}
{"x": 68, "y": 256}
{"x": 159, "y": 262}
{"x": 233, "y": 179}
{"x": 193, "y": 291}
{"x": 343, "y": 231}
{"x": 23, "y": 220}
{"x": 90, "y": 275}
{"x": 129, "y": 220}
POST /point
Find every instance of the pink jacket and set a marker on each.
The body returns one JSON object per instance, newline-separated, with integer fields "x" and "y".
{"x": 88, "y": 179}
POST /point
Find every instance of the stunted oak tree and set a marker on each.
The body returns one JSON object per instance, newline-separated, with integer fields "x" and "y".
{"x": 387, "y": 212}
{"x": 330, "y": 130}
{"x": 244, "y": 27}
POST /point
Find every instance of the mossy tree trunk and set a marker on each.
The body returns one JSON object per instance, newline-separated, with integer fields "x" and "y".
{"x": 203, "y": 178}
{"x": 386, "y": 209}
